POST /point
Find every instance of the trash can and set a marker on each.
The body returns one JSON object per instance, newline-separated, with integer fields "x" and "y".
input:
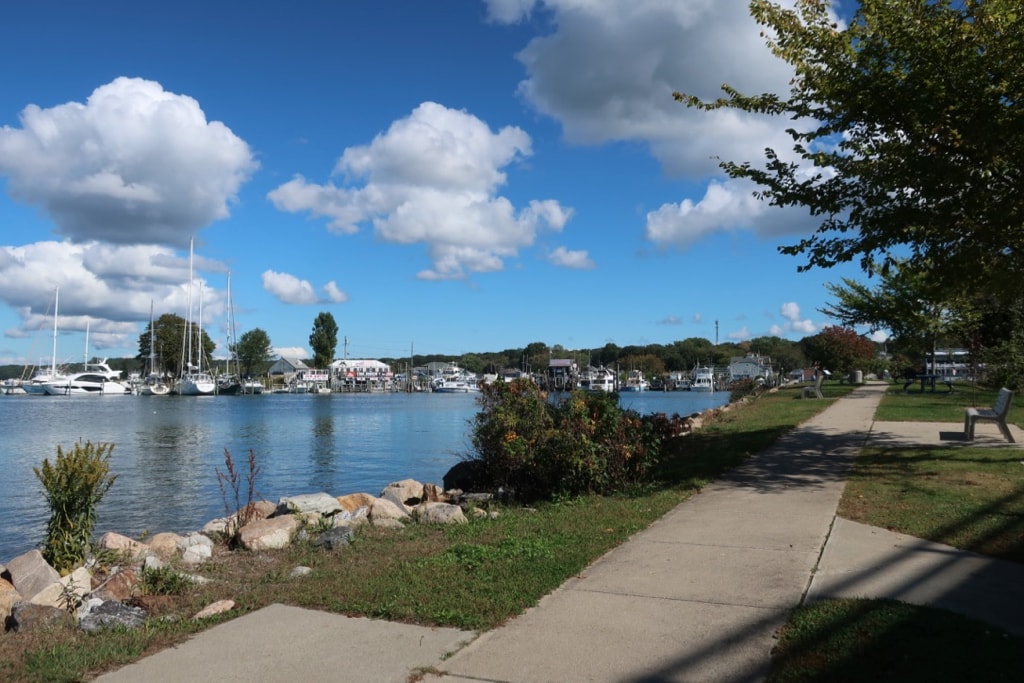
{"x": 857, "y": 377}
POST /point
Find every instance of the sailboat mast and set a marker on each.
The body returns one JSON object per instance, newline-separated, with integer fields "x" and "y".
{"x": 53, "y": 358}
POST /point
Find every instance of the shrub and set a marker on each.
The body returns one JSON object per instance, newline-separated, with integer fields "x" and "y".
{"x": 73, "y": 485}
{"x": 536, "y": 448}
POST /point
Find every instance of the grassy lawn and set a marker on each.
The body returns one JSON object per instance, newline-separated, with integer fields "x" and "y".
{"x": 478, "y": 575}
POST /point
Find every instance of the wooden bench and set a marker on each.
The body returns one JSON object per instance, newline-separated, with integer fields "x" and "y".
{"x": 997, "y": 413}
{"x": 814, "y": 391}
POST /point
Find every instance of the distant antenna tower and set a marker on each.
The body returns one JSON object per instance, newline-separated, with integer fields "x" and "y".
{"x": 716, "y": 333}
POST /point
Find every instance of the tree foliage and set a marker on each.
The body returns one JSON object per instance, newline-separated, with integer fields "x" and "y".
{"x": 254, "y": 350}
{"x": 839, "y": 349}
{"x": 170, "y": 343}
{"x": 906, "y": 302}
{"x": 908, "y": 133}
{"x": 323, "y": 339}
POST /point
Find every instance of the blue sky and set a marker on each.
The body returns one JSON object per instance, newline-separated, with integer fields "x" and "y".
{"x": 445, "y": 177}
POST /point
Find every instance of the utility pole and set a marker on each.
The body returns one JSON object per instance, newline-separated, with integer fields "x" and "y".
{"x": 716, "y": 333}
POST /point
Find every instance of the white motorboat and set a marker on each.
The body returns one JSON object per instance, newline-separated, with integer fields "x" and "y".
{"x": 598, "y": 379}
{"x": 703, "y": 379}
{"x": 455, "y": 380}
{"x": 85, "y": 383}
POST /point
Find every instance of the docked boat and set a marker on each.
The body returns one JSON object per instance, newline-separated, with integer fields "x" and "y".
{"x": 598, "y": 380}
{"x": 92, "y": 382}
{"x": 11, "y": 386}
{"x": 703, "y": 379}
{"x": 635, "y": 382}
{"x": 155, "y": 383}
{"x": 194, "y": 381}
{"x": 455, "y": 380}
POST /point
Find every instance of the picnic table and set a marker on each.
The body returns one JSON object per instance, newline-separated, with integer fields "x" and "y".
{"x": 928, "y": 380}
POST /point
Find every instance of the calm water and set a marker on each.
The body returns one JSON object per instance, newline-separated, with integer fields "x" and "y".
{"x": 167, "y": 449}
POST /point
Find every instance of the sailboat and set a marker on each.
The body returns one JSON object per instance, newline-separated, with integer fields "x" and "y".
{"x": 154, "y": 383}
{"x": 194, "y": 381}
{"x": 230, "y": 383}
{"x": 36, "y": 384}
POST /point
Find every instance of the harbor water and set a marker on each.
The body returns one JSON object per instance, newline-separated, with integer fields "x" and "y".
{"x": 168, "y": 450}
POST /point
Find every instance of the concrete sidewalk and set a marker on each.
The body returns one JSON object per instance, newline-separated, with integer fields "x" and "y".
{"x": 698, "y": 596}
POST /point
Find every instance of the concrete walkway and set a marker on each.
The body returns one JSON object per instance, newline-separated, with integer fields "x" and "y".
{"x": 698, "y": 596}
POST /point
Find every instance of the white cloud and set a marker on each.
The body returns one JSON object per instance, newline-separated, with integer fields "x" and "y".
{"x": 740, "y": 335}
{"x": 606, "y": 71}
{"x": 291, "y": 290}
{"x": 671, "y": 320}
{"x": 334, "y": 295}
{"x": 291, "y": 352}
{"x": 795, "y": 322}
{"x": 108, "y": 287}
{"x": 578, "y": 260}
{"x": 134, "y": 164}
{"x": 288, "y": 288}
{"x": 432, "y": 178}
{"x": 725, "y": 207}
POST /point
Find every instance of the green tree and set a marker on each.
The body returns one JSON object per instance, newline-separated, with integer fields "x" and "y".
{"x": 908, "y": 133}
{"x": 323, "y": 339}
{"x": 254, "y": 350}
{"x": 906, "y": 303}
{"x": 170, "y": 343}
{"x": 839, "y": 349}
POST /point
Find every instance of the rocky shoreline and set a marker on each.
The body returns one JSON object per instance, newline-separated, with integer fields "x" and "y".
{"x": 33, "y": 594}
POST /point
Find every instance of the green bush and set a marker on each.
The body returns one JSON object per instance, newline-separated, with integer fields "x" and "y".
{"x": 535, "y": 448}
{"x": 73, "y": 485}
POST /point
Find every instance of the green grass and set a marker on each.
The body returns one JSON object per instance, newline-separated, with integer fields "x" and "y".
{"x": 842, "y": 641}
{"x": 480, "y": 574}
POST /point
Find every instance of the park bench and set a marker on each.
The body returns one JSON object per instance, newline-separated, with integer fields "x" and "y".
{"x": 814, "y": 390}
{"x": 997, "y": 413}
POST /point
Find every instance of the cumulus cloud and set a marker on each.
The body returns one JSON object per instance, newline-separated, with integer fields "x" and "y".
{"x": 606, "y": 71}
{"x": 432, "y": 178}
{"x": 108, "y": 288}
{"x": 725, "y": 207}
{"x": 795, "y": 322}
{"x": 334, "y": 295}
{"x": 291, "y": 352}
{"x": 671, "y": 320}
{"x": 740, "y": 335}
{"x": 576, "y": 259}
{"x": 291, "y": 290}
{"x": 134, "y": 164}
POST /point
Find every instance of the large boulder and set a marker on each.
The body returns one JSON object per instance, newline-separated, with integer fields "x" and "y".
{"x": 269, "y": 534}
{"x": 71, "y": 588}
{"x": 118, "y": 587}
{"x": 353, "y": 501}
{"x": 112, "y": 614}
{"x": 407, "y": 492}
{"x": 26, "y": 617}
{"x": 165, "y": 545}
{"x": 468, "y": 475}
{"x": 30, "y": 573}
{"x": 9, "y": 597}
{"x": 440, "y": 513}
{"x": 385, "y": 509}
{"x": 309, "y": 503}
{"x": 120, "y": 543}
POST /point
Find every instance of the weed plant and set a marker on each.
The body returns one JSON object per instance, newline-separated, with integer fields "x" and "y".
{"x": 74, "y": 484}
